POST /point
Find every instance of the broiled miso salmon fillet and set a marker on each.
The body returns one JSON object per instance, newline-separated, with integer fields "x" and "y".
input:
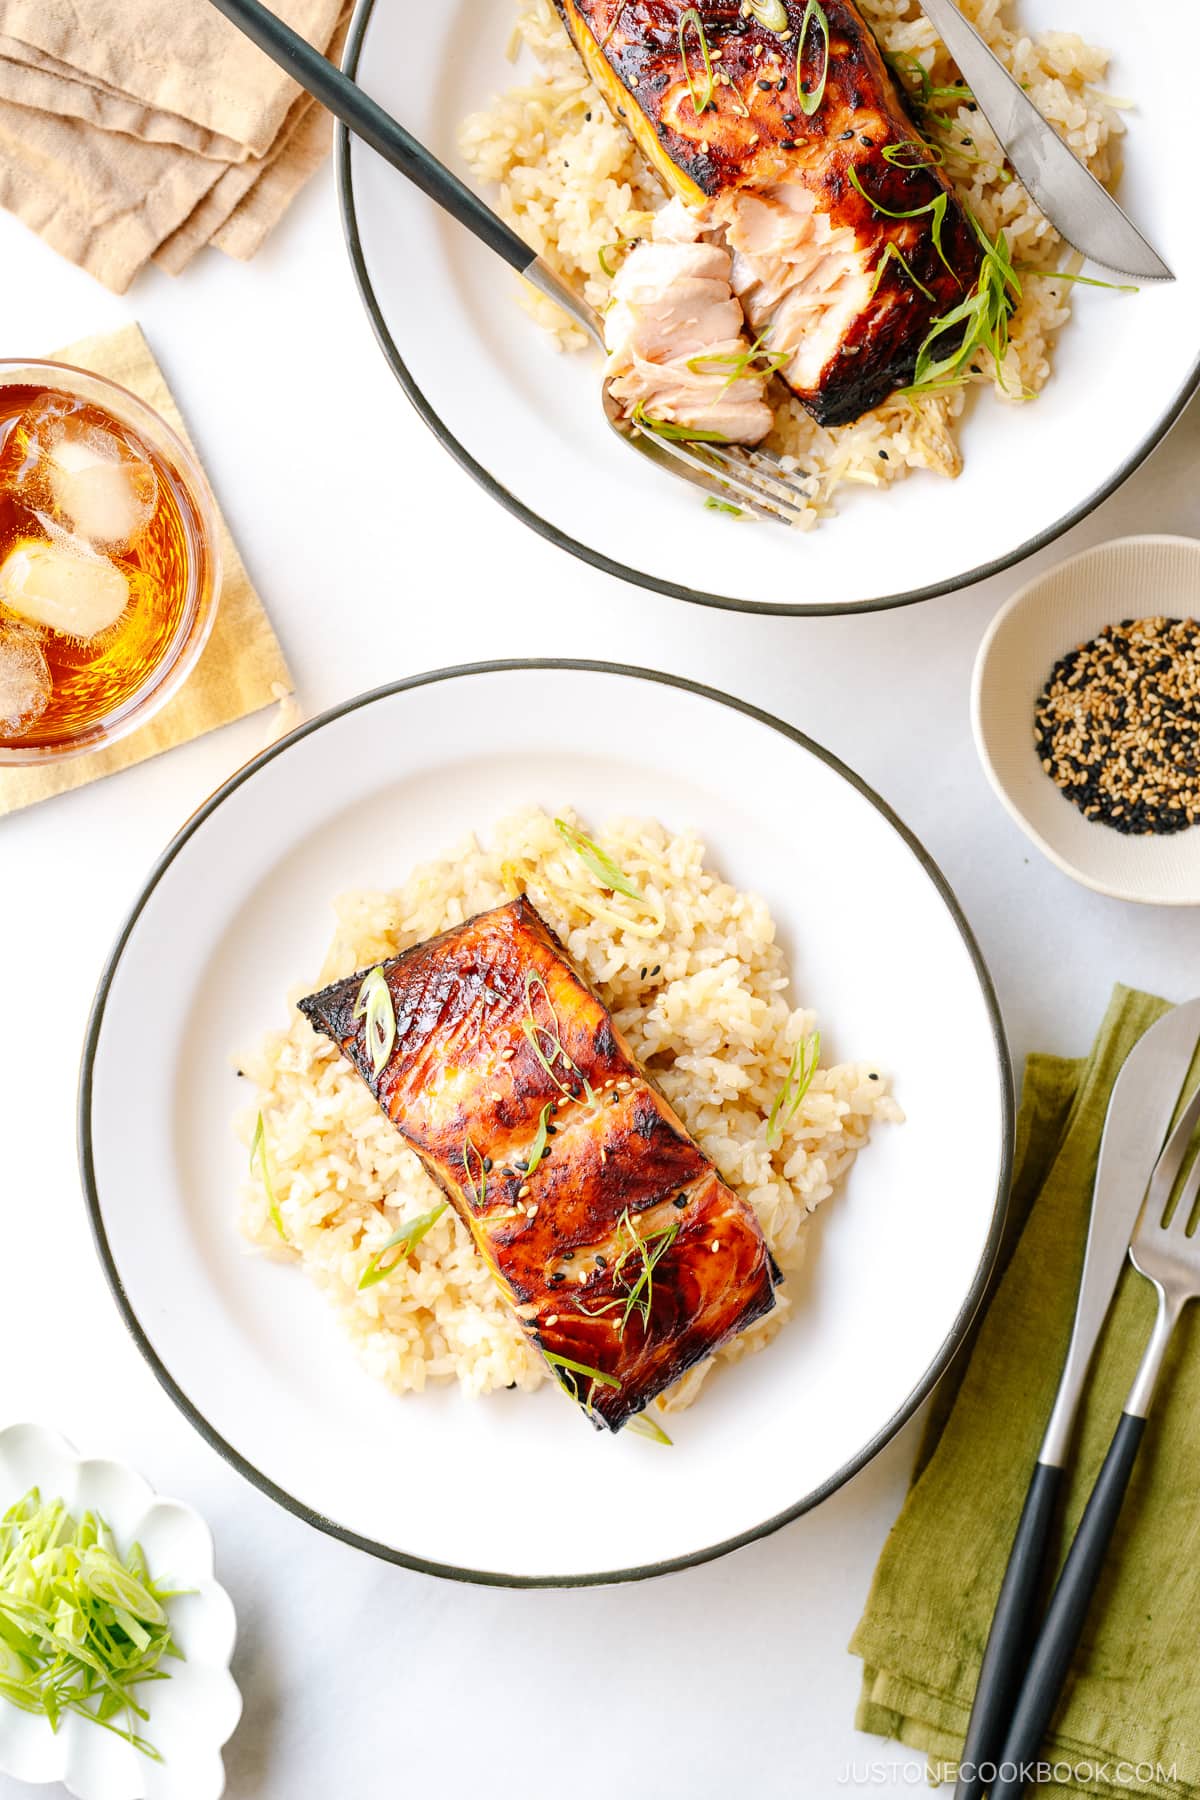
{"x": 847, "y": 245}
{"x": 624, "y": 1255}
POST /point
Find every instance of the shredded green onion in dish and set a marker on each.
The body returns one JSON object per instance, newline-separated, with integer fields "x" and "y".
{"x": 405, "y": 1240}
{"x": 914, "y": 153}
{"x": 374, "y": 1003}
{"x": 796, "y": 1084}
{"x": 637, "y": 1296}
{"x": 936, "y": 208}
{"x": 477, "y": 1190}
{"x": 674, "y": 434}
{"x": 983, "y": 317}
{"x": 712, "y": 504}
{"x": 756, "y": 360}
{"x": 534, "y": 1033}
{"x": 771, "y": 14}
{"x": 618, "y": 244}
{"x": 578, "y": 1368}
{"x": 80, "y": 1626}
{"x": 540, "y": 1139}
{"x": 810, "y": 99}
{"x": 259, "y": 1154}
{"x": 643, "y": 1426}
{"x": 893, "y": 253}
{"x": 608, "y": 873}
{"x": 701, "y": 98}
{"x": 1114, "y": 287}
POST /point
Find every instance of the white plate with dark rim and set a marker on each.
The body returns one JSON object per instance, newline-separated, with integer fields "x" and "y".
{"x": 239, "y": 910}
{"x": 528, "y": 424}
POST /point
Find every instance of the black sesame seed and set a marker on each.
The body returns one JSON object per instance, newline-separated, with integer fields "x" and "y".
{"x": 681, "y": 1201}
{"x": 766, "y": 86}
{"x": 869, "y": 142}
{"x": 601, "y": 1263}
{"x": 787, "y": 143}
{"x": 487, "y": 1165}
{"x": 843, "y": 135}
{"x": 884, "y": 457}
{"x": 790, "y": 118}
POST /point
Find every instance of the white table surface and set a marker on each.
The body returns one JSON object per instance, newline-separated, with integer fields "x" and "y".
{"x": 377, "y": 558}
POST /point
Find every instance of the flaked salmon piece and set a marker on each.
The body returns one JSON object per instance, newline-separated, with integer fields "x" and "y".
{"x": 842, "y": 287}
{"x": 677, "y": 348}
{"x": 624, "y": 1255}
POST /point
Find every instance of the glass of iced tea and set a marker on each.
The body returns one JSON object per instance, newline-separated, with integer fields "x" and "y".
{"x": 109, "y": 561}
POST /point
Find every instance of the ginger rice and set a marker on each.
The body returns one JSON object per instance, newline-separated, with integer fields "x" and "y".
{"x": 565, "y": 173}
{"x": 704, "y": 1004}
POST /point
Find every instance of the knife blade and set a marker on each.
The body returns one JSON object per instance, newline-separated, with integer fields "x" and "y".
{"x": 1139, "y": 1117}
{"x": 1070, "y": 196}
{"x": 1140, "y": 1111}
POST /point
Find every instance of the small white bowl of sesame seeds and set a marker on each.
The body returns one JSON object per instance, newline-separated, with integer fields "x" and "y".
{"x": 1085, "y": 705}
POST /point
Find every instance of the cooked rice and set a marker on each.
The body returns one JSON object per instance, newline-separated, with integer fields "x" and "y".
{"x": 571, "y": 182}
{"x": 703, "y": 1004}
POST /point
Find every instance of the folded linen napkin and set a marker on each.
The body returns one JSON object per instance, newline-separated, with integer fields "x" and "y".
{"x": 1130, "y": 1717}
{"x": 241, "y": 668}
{"x": 131, "y": 131}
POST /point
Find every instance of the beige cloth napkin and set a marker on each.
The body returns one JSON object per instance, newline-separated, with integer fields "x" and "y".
{"x": 242, "y": 667}
{"x": 130, "y": 130}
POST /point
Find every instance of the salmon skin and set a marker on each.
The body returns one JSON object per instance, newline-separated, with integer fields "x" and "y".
{"x": 842, "y": 292}
{"x": 621, "y": 1250}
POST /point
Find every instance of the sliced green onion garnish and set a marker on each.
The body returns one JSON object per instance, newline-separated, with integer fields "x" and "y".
{"x": 81, "y": 1628}
{"x": 621, "y": 243}
{"x": 644, "y": 1426}
{"x": 701, "y": 98}
{"x": 914, "y": 153}
{"x": 1116, "y": 287}
{"x": 796, "y": 1084}
{"x": 675, "y": 434}
{"x": 405, "y": 1240}
{"x": 260, "y": 1155}
{"x": 771, "y": 14}
{"x": 983, "y": 316}
{"x": 893, "y": 253}
{"x": 811, "y": 97}
{"x": 601, "y": 865}
{"x": 578, "y": 1368}
{"x": 477, "y": 1190}
{"x": 712, "y": 504}
{"x": 374, "y": 1003}
{"x": 540, "y": 1139}
{"x": 936, "y": 208}
{"x": 755, "y": 360}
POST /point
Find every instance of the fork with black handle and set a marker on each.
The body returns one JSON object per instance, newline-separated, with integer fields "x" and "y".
{"x": 730, "y": 472}
{"x": 1139, "y": 1115}
{"x": 1167, "y": 1256}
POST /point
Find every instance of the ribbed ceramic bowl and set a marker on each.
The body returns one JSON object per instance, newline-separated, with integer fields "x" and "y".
{"x": 1135, "y": 577}
{"x": 192, "y": 1714}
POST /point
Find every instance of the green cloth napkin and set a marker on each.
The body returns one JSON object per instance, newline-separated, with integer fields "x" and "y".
{"x": 1129, "y": 1720}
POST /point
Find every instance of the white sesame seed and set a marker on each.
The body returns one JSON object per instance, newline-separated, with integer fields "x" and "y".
{"x": 716, "y": 1245}
{"x": 553, "y": 1319}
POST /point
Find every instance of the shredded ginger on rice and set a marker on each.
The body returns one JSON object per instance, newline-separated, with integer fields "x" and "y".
{"x": 703, "y": 1003}
{"x": 566, "y": 175}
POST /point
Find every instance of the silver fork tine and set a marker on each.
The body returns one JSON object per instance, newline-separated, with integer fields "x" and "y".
{"x": 733, "y": 475}
{"x": 1166, "y": 1172}
{"x": 773, "y": 481}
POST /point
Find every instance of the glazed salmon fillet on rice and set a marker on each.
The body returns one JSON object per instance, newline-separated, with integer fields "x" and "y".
{"x": 847, "y": 241}
{"x": 622, "y": 1252}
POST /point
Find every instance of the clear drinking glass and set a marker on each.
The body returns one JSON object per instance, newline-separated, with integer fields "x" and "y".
{"x": 110, "y": 565}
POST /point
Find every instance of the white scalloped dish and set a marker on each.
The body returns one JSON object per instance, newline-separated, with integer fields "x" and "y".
{"x": 191, "y": 1715}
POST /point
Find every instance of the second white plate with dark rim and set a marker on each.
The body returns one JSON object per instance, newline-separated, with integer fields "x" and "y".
{"x": 238, "y": 912}
{"x": 527, "y": 422}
